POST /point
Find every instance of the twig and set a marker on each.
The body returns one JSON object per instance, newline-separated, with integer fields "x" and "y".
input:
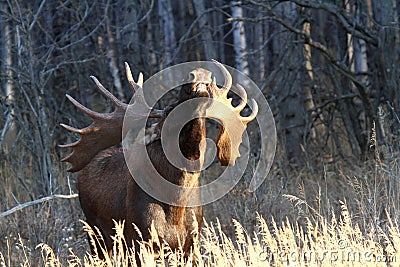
{"x": 34, "y": 202}
{"x": 37, "y": 15}
{"x": 148, "y": 13}
{"x": 5, "y": 128}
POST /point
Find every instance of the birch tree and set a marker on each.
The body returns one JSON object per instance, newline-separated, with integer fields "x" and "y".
{"x": 113, "y": 62}
{"x": 239, "y": 39}
{"x": 8, "y": 132}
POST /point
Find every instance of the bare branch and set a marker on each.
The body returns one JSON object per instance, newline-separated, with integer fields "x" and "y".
{"x": 148, "y": 13}
{"x": 37, "y": 15}
{"x": 346, "y": 21}
{"x": 327, "y": 53}
{"x": 34, "y": 202}
{"x": 351, "y": 25}
{"x": 5, "y": 128}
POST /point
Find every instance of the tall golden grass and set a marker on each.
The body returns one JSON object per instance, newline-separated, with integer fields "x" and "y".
{"x": 336, "y": 242}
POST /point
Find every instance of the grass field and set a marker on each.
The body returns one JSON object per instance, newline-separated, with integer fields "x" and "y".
{"x": 334, "y": 215}
{"x": 337, "y": 242}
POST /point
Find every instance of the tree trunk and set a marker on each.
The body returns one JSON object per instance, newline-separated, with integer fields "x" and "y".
{"x": 219, "y": 20}
{"x": 205, "y": 30}
{"x": 167, "y": 29}
{"x": 113, "y": 62}
{"x": 289, "y": 89}
{"x": 151, "y": 48}
{"x": 130, "y": 40}
{"x": 316, "y": 130}
{"x": 239, "y": 39}
{"x": 384, "y": 63}
{"x": 259, "y": 47}
{"x": 8, "y": 133}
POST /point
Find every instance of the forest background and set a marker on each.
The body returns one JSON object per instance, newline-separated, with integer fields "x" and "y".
{"x": 329, "y": 70}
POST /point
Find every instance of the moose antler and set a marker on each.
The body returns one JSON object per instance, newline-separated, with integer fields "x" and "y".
{"x": 106, "y": 128}
{"x": 228, "y": 142}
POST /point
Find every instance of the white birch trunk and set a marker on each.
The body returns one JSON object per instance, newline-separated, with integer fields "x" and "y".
{"x": 239, "y": 39}
{"x": 112, "y": 64}
{"x": 8, "y": 133}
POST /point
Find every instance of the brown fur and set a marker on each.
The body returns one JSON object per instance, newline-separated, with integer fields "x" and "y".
{"x": 107, "y": 191}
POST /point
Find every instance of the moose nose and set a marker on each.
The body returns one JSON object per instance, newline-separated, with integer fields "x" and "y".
{"x": 201, "y": 90}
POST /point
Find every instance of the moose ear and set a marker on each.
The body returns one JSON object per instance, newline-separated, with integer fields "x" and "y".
{"x": 224, "y": 147}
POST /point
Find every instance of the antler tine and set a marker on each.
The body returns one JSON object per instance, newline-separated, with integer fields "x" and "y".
{"x": 67, "y": 157}
{"x": 86, "y": 110}
{"x": 107, "y": 93}
{"x": 140, "y": 80}
{"x": 68, "y": 145}
{"x": 227, "y": 76}
{"x": 72, "y": 129}
{"x": 243, "y": 99}
{"x": 242, "y": 104}
{"x": 253, "y": 113}
{"x": 106, "y": 128}
{"x": 134, "y": 85}
{"x": 138, "y": 95}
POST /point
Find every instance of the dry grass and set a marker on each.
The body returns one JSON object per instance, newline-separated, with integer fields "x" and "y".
{"x": 329, "y": 215}
{"x": 324, "y": 243}
{"x": 361, "y": 230}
